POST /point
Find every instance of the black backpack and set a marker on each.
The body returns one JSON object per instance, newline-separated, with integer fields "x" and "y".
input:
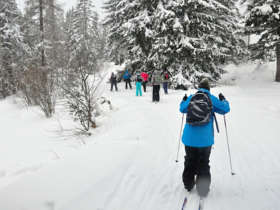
{"x": 200, "y": 109}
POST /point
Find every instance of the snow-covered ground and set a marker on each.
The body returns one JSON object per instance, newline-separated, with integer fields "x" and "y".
{"x": 129, "y": 162}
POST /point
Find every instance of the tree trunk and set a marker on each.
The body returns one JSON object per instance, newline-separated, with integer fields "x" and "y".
{"x": 54, "y": 35}
{"x": 278, "y": 63}
{"x": 42, "y": 33}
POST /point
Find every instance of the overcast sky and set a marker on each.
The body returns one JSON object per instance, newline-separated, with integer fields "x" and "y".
{"x": 69, "y": 3}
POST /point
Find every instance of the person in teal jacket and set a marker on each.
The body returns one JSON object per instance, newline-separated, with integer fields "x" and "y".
{"x": 138, "y": 85}
{"x": 198, "y": 141}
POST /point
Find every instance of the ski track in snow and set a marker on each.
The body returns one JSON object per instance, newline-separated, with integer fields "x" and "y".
{"x": 157, "y": 148}
{"x": 129, "y": 164}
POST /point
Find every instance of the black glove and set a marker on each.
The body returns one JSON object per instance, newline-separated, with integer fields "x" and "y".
{"x": 221, "y": 97}
{"x": 185, "y": 97}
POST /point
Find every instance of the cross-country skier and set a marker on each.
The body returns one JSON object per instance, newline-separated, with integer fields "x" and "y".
{"x": 156, "y": 81}
{"x": 198, "y": 135}
{"x": 113, "y": 81}
{"x": 166, "y": 79}
{"x": 138, "y": 85}
{"x": 127, "y": 79}
{"x": 145, "y": 77}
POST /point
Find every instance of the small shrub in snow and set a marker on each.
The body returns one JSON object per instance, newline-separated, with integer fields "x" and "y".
{"x": 38, "y": 88}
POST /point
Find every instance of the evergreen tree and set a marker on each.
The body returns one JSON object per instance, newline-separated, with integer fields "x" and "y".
{"x": 12, "y": 47}
{"x": 54, "y": 35}
{"x": 84, "y": 34}
{"x": 68, "y": 31}
{"x": 133, "y": 32}
{"x": 111, "y": 23}
{"x": 264, "y": 19}
{"x": 214, "y": 25}
{"x": 101, "y": 44}
{"x": 43, "y": 22}
{"x": 81, "y": 83}
{"x": 173, "y": 47}
{"x": 32, "y": 34}
{"x": 195, "y": 36}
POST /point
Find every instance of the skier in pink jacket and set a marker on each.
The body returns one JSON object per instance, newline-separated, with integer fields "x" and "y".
{"x": 145, "y": 77}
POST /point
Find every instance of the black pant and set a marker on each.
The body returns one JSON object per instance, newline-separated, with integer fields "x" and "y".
{"x": 144, "y": 85}
{"x": 114, "y": 84}
{"x": 127, "y": 82}
{"x": 165, "y": 87}
{"x": 197, "y": 163}
{"x": 156, "y": 92}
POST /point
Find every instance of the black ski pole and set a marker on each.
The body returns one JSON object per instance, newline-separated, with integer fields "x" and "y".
{"x": 232, "y": 173}
{"x": 179, "y": 142}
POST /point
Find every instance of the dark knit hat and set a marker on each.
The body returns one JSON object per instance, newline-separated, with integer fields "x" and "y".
{"x": 204, "y": 83}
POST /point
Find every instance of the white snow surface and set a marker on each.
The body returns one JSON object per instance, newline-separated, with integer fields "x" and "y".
{"x": 129, "y": 161}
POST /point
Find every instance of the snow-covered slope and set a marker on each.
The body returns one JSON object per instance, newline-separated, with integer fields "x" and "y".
{"x": 129, "y": 163}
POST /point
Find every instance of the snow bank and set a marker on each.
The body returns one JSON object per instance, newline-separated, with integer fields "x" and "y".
{"x": 251, "y": 74}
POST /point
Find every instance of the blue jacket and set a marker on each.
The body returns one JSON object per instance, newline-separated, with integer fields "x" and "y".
{"x": 203, "y": 135}
{"x": 126, "y": 75}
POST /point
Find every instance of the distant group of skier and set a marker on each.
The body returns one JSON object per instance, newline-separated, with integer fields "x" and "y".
{"x": 198, "y": 134}
{"x": 156, "y": 78}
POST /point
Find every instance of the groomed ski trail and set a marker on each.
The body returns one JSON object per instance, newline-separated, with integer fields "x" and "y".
{"x": 130, "y": 162}
{"x": 150, "y": 169}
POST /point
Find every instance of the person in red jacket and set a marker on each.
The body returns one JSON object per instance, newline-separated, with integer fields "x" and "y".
{"x": 145, "y": 77}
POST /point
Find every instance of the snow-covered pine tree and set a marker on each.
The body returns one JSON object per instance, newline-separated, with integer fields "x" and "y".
{"x": 173, "y": 49}
{"x": 81, "y": 85}
{"x": 214, "y": 25}
{"x": 139, "y": 31}
{"x": 101, "y": 44}
{"x": 84, "y": 33}
{"x": 12, "y": 47}
{"x": 115, "y": 44}
{"x": 150, "y": 31}
{"x": 256, "y": 51}
{"x": 264, "y": 19}
{"x": 131, "y": 31}
{"x": 33, "y": 30}
{"x": 68, "y": 31}
{"x": 196, "y": 36}
{"x": 43, "y": 31}
{"x": 54, "y": 35}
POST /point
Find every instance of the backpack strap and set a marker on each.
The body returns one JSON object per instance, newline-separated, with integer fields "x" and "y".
{"x": 214, "y": 116}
